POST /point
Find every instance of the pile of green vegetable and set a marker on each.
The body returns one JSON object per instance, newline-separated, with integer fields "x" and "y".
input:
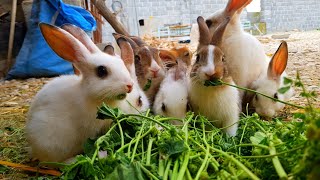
{"x": 148, "y": 147}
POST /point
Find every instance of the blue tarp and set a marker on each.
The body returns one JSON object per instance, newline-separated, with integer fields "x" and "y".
{"x": 36, "y": 58}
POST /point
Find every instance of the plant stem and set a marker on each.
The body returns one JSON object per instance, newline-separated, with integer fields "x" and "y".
{"x": 121, "y": 133}
{"x": 203, "y": 164}
{"x": 137, "y": 141}
{"x": 149, "y": 119}
{"x": 231, "y": 158}
{"x": 175, "y": 169}
{"x": 149, "y": 151}
{"x": 244, "y": 130}
{"x": 133, "y": 141}
{"x": 147, "y": 172}
{"x": 166, "y": 172}
{"x": 184, "y": 166}
{"x": 253, "y": 91}
{"x": 275, "y": 160}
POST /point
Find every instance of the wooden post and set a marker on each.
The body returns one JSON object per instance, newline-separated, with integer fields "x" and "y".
{"x": 11, "y": 37}
{"x": 110, "y": 17}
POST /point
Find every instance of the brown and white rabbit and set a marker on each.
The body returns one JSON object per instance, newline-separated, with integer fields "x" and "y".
{"x": 269, "y": 82}
{"x": 62, "y": 115}
{"x": 149, "y": 67}
{"x": 136, "y": 101}
{"x": 244, "y": 54}
{"x": 218, "y": 103}
{"x": 172, "y": 98}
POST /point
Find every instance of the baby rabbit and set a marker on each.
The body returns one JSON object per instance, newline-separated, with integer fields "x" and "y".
{"x": 62, "y": 115}
{"x": 172, "y": 97}
{"x": 269, "y": 82}
{"x": 245, "y": 56}
{"x": 170, "y": 57}
{"x": 218, "y": 103}
{"x": 136, "y": 101}
{"x": 148, "y": 65}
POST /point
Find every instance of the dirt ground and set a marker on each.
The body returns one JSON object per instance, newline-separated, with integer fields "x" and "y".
{"x": 16, "y": 95}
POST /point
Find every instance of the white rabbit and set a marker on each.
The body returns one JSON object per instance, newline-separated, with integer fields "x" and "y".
{"x": 269, "y": 82}
{"x": 62, "y": 115}
{"x": 244, "y": 54}
{"x": 218, "y": 103}
{"x": 136, "y": 101}
{"x": 172, "y": 97}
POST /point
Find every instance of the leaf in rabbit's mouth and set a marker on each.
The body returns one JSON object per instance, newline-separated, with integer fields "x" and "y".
{"x": 214, "y": 82}
{"x": 147, "y": 85}
{"x": 121, "y": 96}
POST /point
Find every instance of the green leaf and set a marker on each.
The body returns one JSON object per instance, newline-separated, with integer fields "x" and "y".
{"x": 287, "y": 81}
{"x": 299, "y": 116}
{"x": 105, "y": 112}
{"x": 284, "y": 89}
{"x": 147, "y": 85}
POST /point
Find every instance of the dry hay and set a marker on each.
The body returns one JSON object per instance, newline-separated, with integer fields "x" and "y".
{"x": 16, "y": 95}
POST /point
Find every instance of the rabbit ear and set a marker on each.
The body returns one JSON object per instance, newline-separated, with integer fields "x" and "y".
{"x": 126, "y": 53}
{"x": 134, "y": 46}
{"x": 109, "y": 49}
{"x": 81, "y": 36}
{"x": 63, "y": 43}
{"x": 204, "y": 38}
{"x": 166, "y": 55}
{"x": 218, "y": 33}
{"x": 278, "y": 62}
{"x": 181, "y": 70}
{"x": 236, "y": 6}
{"x": 75, "y": 70}
{"x": 138, "y": 41}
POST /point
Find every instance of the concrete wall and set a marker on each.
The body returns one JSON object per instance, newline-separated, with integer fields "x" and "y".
{"x": 284, "y": 15}
{"x": 280, "y": 15}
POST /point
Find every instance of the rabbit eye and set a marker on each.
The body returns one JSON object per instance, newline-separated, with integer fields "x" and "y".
{"x": 139, "y": 101}
{"x": 186, "y": 54}
{"x": 102, "y": 71}
{"x": 275, "y": 95}
{"x": 137, "y": 58}
{"x": 163, "y": 107}
{"x": 198, "y": 58}
{"x": 223, "y": 59}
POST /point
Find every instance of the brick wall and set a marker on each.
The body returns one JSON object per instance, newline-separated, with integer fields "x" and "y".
{"x": 284, "y": 15}
{"x": 280, "y": 15}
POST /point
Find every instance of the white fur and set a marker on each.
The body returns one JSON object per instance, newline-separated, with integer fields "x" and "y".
{"x": 130, "y": 104}
{"x": 265, "y": 106}
{"x": 218, "y": 104}
{"x": 174, "y": 94}
{"x": 209, "y": 68}
{"x": 244, "y": 54}
{"x": 62, "y": 115}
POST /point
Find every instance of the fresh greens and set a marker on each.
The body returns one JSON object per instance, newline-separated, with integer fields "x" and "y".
{"x": 145, "y": 146}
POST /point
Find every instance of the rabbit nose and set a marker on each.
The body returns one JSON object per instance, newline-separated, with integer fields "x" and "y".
{"x": 129, "y": 88}
{"x": 210, "y": 75}
{"x": 154, "y": 72}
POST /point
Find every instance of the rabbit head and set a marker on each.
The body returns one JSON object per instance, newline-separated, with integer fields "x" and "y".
{"x": 147, "y": 60}
{"x": 103, "y": 77}
{"x": 170, "y": 57}
{"x": 209, "y": 63}
{"x": 270, "y": 82}
{"x": 172, "y": 97}
{"x": 136, "y": 101}
{"x": 232, "y": 10}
